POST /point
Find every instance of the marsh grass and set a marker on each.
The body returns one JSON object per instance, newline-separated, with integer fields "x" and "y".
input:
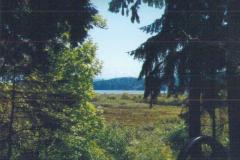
{"x": 135, "y": 132}
{"x": 139, "y": 133}
{"x": 134, "y": 110}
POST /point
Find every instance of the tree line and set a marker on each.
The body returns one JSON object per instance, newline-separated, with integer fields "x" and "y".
{"x": 125, "y": 83}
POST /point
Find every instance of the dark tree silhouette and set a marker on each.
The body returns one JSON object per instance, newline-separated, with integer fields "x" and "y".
{"x": 32, "y": 33}
{"x": 195, "y": 40}
{"x": 181, "y": 45}
{"x": 29, "y": 28}
{"x": 232, "y": 70}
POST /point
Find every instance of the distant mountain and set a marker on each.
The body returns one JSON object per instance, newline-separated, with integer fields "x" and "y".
{"x": 124, "y": 83}
{"x": 97, "y": 79}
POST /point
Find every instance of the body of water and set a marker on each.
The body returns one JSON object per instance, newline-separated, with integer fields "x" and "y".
{"x": 119, "y": 91}
{"x": 123, "y": 91}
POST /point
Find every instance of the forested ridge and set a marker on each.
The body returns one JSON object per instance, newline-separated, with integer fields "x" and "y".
{"x": 124, "y": 83}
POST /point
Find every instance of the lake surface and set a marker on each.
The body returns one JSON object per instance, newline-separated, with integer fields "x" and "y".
{"x": 118, "y": 91}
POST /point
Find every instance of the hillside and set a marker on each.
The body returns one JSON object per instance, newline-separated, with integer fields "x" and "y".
{"x": 124, "y": 83}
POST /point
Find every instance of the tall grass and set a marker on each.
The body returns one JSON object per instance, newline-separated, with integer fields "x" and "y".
{"x": 135, "y": 132}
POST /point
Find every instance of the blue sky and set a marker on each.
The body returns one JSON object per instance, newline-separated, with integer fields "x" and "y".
{"x": 120, "y": 37}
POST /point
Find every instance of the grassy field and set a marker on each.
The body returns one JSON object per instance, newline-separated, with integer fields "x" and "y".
{"x": 134, "y": 110}
{"x": 146, "y": 133}
{"x": 140, "y": 133}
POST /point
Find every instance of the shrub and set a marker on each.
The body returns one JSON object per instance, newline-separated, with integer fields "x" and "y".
{"x": 172, "y": 101}
{"x": 97, "y": 153}
{"x": 177, "y": 137}
{"x": 126, "y": 96}
{"x": 115, "y": 139}
{"x": 138, "y": 98}
{"x": 112, "y": 97}
{"x": 134, "y": 144}
{"x": 152, "y": 147}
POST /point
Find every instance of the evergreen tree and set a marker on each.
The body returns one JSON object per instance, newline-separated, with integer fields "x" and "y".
{"x": 46, "y": 71}
{"x": 195, "y": 40}
{"x": 30, "y": 27}
{"x": 233, "y": 59}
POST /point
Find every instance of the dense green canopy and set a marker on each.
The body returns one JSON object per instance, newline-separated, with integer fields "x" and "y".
{"x": 46, "y": 72}
{"x": 29, "y": 28}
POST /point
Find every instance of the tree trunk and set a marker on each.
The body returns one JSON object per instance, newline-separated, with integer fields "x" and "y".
{"x": 209, "y": 99}
{"x": 233, "y": 84}
{"x": 194, "y": 111}
{"x": 151, "y": 100}
{"x": 234, "y": 112}
{"x": 214, "y": 134}
{"x": 194, "y": 106}
{"x": 10, "y": 130}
